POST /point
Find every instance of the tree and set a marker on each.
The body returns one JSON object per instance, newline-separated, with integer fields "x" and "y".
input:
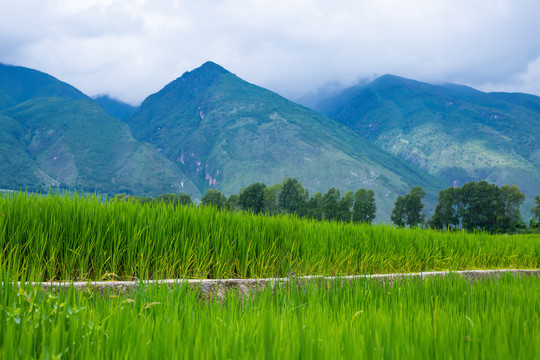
{"x": 344, "y": 207}
{"x": 214, "y": 198}
{"x": 398, "y": 215}
{"x": 315, "y": 207}
{"x": 330, "y": 204}
{"x": 512, "y": 199}
{"x": 133, "y": 198}
{"x": 364, "y": 208}
{"x": 252, "y": 198}
{"x": 446, "y": 211}
{"x": 414, "y": 206}
{"x": 232, "y": 203}
{"x": 271, "y": 199}
{"x": 535, "y": 210}
{"x": 479, "y": 206}
{"x": 183, "y": 199}
{"x": 180, "y": 199}
{"x": 407, "y": 209}
{"x": 292, "y": 197}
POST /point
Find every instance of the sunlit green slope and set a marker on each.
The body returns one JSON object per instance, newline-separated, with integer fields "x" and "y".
{"x": 74, "y": 144}
{"x": 452, "y": 131}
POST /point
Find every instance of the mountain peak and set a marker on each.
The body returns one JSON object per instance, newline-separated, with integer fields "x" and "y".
{"x": 208, "y": 70}
{"x": 197, "y": 79}
{"x": 393, "y": 80}
{"x": 212, "y": 66}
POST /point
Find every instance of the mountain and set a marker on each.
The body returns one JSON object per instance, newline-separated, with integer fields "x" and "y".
{"x": 115, "y": 108}
{"x": 74, "y": 144}
{"x": 226, "y": 133}
{"x": 17, "y": 168}
{"x": 453, "y": 131}
{"x": 19, "y": 84}
{"x": 52, "y": 135}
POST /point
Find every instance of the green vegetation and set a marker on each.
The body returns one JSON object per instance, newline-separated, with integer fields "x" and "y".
{"x": 446, "y": 318}
{"x": 454, "y": 132}
{"x": 19, "y": 84}
{"x": 55, "y": 237}
{"x": 65, "y": 143}
{"x": 479, "y": 206}
{"x": 293, "y": 197}
{"x": 408, "y": 209}
{"x": 252, "y": 198}
{"x": 233, "y": 136}
{"x": 214, "y": 198}
{"x": 535, "y": 210}
{"x": 364, "y": 207}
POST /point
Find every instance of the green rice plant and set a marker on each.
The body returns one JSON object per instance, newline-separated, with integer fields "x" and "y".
{"x": 442, "y": 318}
{"x": 75, "y": 237}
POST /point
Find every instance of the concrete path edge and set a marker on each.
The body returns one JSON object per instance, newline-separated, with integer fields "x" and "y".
{"x": 218, "y": 287}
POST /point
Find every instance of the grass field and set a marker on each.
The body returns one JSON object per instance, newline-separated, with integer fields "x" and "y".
{"x": 71, "y": 237}
{"x": 448, "y": 318}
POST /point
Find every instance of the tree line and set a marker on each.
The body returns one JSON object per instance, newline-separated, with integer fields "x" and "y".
{"x": 474, "y": 206}
{"x": 289, "y": 197}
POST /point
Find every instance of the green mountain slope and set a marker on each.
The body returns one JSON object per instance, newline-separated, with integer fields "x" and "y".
{"x": 115, "y": 108}
{"x": 18, "y": 84}
{"x": 226, "y": 133}
{"x": 17, "y": 168}
{"x": 452, "y": 131}
{"x": 74, "y": 144}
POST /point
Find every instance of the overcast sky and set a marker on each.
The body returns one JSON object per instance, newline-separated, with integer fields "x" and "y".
{"x": 132, "y": 48}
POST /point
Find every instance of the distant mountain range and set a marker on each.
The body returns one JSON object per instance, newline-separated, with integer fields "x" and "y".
{"x": 210, "y": 129}
{"x": 115, "y": 108}
{"x": 454, "y": 132}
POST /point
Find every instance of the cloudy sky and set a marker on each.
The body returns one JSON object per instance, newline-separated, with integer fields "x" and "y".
{"x": 132, "y": 48}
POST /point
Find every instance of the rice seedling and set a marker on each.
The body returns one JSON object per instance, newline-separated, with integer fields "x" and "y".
{"x": 75, "y": 237}
{"x": 448, "y": 318}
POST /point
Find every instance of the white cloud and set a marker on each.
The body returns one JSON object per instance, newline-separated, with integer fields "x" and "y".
{"x": 132, "y": 48}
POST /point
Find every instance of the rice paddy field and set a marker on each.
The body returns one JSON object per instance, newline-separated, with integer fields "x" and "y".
{"x": 442, "y": 318}
{"x": 72, "y": 237}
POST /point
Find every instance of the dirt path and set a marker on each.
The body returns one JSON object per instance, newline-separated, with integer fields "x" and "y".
{"x": 218, "y": 287}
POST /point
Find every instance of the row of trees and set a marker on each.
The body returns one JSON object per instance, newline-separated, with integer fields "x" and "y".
{"x": 175, "y": 199}
{"x": 289, "y": 197}
{"x": 474, "y": 206}
{"x": 292, "y": 198}
{"x": 479, "y": 206}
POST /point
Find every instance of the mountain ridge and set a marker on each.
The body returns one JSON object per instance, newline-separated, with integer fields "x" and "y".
{"x": 22, "y": 84}
{"x": 453, "y": 131}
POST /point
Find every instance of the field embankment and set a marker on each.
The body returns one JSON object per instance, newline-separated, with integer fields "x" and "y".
{"x": 51, "y": 237}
